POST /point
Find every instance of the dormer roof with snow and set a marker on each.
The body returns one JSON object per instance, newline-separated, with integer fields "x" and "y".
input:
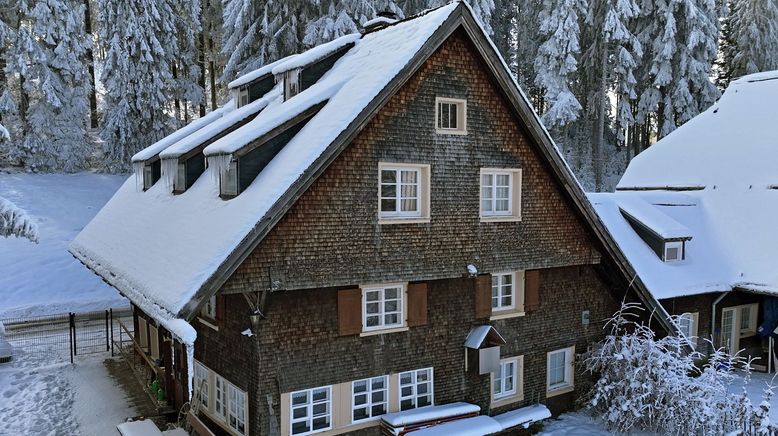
{"x": 169, "y": 253}
{"x": 714, "y": 178}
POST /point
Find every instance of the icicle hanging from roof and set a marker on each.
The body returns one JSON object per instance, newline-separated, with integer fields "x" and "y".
{"x": 137, "y": 168}
{"x": 170, "y": 172}
{"x": 219, "y": 163}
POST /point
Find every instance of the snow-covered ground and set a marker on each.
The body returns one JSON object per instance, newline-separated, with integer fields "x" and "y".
{"x": 755, "y": 389}
{"x": 43, "y": 278}
{"x": 38, "y": 397}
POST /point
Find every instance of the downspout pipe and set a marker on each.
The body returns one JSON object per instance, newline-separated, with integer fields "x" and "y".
{"x": 713, "y": 316}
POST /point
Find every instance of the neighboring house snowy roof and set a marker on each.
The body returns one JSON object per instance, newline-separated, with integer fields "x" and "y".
{"x": 723, "y": 161}
{"x": 658, "y": 222}
{"x": 175, "y": 251}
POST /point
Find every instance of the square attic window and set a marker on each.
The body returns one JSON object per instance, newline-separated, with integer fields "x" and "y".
{"x": 673, "y": 251}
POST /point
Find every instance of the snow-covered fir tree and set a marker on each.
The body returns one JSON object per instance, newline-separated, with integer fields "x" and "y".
{"x": 185, "y": 89}
{"x": 556, "y": 60}
{"x": 138, "y": 37}
{"x": 754, "y": 31}
{"x": 340, "y": 17}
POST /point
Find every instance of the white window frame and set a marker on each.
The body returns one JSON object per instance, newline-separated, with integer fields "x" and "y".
{"x": 369, "y": 403}
{"x": 309, "y": 418}
{"x": 220, "y": 397}
{"x": 421, "y": 214}
{"x": 209, "y": 308}
{"x": 514, "y": 194}
{"x": 381, "y": 290}
{"x": 671, "y": 245}
{"x": 461, "y": 118}
{"x": 566, "y": 384}
{"x": 228, "y": 180}
{"x": 202, "y": 382}
{"x": 753, "y": 314}
{"x": 414, "y": 385}
{"x": 243, "y": 96}
{"x": 500, "y": 278}
{"x": 501, "y": 379}
{"x": 236, "y": 411}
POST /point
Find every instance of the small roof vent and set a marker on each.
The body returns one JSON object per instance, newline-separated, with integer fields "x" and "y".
{"x": 382, "y": 19}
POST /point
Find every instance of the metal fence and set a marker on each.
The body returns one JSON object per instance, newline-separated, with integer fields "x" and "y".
{"x": 69, "y": 334}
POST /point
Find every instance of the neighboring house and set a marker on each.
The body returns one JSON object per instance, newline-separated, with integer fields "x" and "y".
{"x": 696, "y": 213}
{"x": 383, "y": 224}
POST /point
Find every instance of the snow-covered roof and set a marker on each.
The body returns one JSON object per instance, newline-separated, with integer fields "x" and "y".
{"x": 319, "y": 52}
{"x": 154, "y": 149}
{"x": 523, "y": 416}
{"x": 730, "y": 150}
{"x": 199, "y": 137}
{"x": 653, "y": 218}
{"x": 379, "y": 20}
{"x": 479, "y": 333}
{"x": 159, "y": 249}
{"x": 475, "y": 426}
{"x": 259, "y": 72}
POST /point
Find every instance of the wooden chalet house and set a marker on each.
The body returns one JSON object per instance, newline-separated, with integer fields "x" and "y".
{"x": 695, "y": 214}
{"x": 374, "y": 226}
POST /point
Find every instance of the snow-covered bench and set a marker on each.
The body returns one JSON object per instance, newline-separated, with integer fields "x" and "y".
{"x": 476, "y": 426}
{"x": 400, "y": 423}
{"x": 524, "y": 417}
{"x": 139, "y": 428}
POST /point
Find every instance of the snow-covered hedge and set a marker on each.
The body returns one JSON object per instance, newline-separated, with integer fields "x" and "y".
{"x": 661, "y": 385}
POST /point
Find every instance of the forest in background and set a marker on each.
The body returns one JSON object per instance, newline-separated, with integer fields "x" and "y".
{"x": 85, "y": 84}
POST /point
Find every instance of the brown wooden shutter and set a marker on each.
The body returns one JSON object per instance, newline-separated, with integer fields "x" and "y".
{"x": 220, "y": 307}
{"x": 483, "y": 296}
{"x": 531, "y": 290}
{"x": 417, "y": 304}
{"x": 349, "y": 312}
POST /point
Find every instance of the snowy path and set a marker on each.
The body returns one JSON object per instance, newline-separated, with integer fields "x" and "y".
{"x": 42, "y": 279}
{"x": 40, "y": 398}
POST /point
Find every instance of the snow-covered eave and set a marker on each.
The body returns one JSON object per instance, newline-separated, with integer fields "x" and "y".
{"x": 151, "y": 153}
{"x": 674, "y": 188}
{"x": 258, "y": 74}
{"x": 176, "y": 325}
{"x": 317, "y": 53}
{"x": 559, "y": 165}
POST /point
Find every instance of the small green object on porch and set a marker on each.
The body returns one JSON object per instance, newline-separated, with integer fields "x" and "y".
{"x": 155, "y": 386}
{"x": 161, "y": 394}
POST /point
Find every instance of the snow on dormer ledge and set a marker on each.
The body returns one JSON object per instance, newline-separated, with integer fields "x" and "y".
{"x": 315, "y": 54}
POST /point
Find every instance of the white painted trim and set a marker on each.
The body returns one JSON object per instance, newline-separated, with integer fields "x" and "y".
{"x": 461, "y": 116}
{"x": 514, "y": 199}
{"x": 569, "y": 384}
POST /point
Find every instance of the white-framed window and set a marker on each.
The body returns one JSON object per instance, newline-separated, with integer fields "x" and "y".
{"x": 500, "y": 196}
{"x": 201, "y": 383}
{"x": 237, "y": 409}
{"x": 503, "y": 291}
{"x": 673, "y": 251}
{"x": 400, "y": 191}
{"x": 220, "y": 398}
{"x": 506, "y": 379}
{"x": 369, "y": 398}
{"x": 416, "y": 389}
{"x": 179, "y": 183}
{"x": 209, "y": 309}
{"x": 559, "y": 369}
{"x": 311, "y": 410}
{"x": 450, "y": 115}
{"x": 686, "y": 324}
{"x": 383, "y": 307}
{"x": 748, "y": 317}
{"x": 228, "y": 180}
{"x": 243, "y": 97}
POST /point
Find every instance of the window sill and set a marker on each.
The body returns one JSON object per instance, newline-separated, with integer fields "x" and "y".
{"x": 208, "y": 322}
{"x": 500, "y": 219}
{"x": 504, "y": 401}
{"x": 559, "y": 391}
{"x": 410, "y": 220}
{"x": 383, "y": 331}
{"x": 450, "y": 131}
{"x": 496, "y": 315}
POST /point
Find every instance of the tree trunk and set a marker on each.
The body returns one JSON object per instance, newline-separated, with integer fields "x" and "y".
{"x": 212, "y": 74}
{"x": 599, "y": 139}
{"x": 177, "y": 101}
{"x": 90, "y": 58}
{"x": 201, "y": 62}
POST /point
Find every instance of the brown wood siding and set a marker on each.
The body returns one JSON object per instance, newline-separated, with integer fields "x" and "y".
{"x": 483, "y": 296}
{"x": 531, "y": 290}
{"x": 417, "y": 304}
{"x": 349, "y": 311}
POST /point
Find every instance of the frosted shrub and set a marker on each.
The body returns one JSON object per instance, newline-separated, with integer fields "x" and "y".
{"x": 655, "y": 384}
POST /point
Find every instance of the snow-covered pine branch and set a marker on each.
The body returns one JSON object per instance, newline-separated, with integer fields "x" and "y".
{"x": 15, "y": 222}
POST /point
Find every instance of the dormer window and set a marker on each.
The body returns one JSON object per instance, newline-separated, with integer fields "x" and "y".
{"x": 228, "y": 181}
{"x": 180, "y": 183}
{"x": 243, "y": 97}
{"x": 291, "y": 83}
{"x": 151, "y": 173}
{"x": 674, "y": 251}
